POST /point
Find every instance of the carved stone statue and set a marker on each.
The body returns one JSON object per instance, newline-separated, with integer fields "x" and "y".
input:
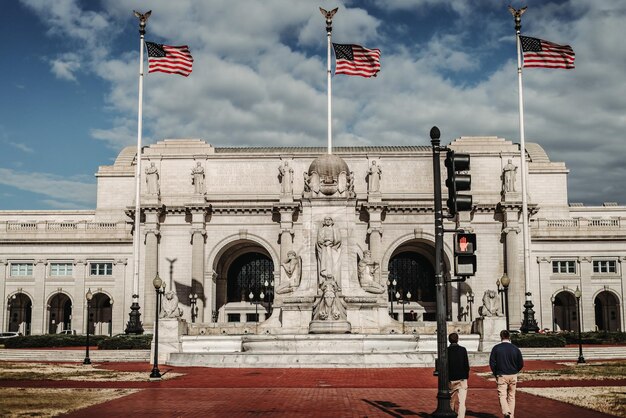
{"x": 374, "y": 174}
{"x": 329, "y": 307}
{"x": 351, "y": 184}
{"x": 328, "y": 250}
{"x": 314, "y": 182}
{"x": 290, "y": 273}
{"x": 491, "y": 304}
{"x": 342, "y": 182}
{"x": 508, "y": 177}
{"x": 307, "y": 185}
{"x": 197, "y": 178}
{"x": 169, "y": 306}
{"x": 286, "y": 178}
{"x": 152, "y": 179}
{"x": 367, "y": 269}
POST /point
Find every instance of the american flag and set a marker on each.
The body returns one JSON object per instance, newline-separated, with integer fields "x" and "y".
{"x": 543, "y": 54}
{"x": 356, "y": 60}
{"x": 169, "y": 59}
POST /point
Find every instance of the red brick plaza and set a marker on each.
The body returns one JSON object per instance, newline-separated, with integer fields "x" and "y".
{"x": 246, "y": 392}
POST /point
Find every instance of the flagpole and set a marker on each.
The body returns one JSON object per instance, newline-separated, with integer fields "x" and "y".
{"x": 529, "y": 324}
{"x": 134, "y": 324}
{"x": 328, "y": 15}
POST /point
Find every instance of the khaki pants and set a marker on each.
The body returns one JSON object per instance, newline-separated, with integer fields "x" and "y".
{"x": 506, "y": 392}
{"x": 458, "y": 394}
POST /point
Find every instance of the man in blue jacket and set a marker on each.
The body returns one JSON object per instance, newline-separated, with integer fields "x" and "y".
{"x": 458, "y": 373}
{"x": 506, "y": 361}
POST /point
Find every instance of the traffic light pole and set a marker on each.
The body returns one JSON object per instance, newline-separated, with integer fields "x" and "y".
{"x": 443, "y": 392}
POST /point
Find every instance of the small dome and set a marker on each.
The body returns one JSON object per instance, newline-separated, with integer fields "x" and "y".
{"x": 328, "y": 165}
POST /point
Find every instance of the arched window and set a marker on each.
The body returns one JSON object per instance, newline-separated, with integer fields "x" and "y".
{"x": 248, "y": 273}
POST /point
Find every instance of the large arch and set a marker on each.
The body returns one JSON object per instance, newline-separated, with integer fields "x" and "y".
{"x": 410, "y": 263}
{"x": 607, "y": 311}
{"x": 59, "y": 313}
{"x": 20, "y": 308}
{"x": 241, "y": 267}
{"x": 101, "y": 314}
{"x": 565, "y": 311}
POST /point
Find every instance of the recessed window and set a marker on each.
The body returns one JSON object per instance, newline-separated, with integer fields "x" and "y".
{"x": 605, "y": 266}
{"x": 21, "y": 269}
{"x": 101, "y": 269}
{"x": 61, "y": 269}
{"x": 564, "y": 266}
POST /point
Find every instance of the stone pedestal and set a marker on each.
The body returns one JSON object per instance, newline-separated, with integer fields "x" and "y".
{"x": 489, "y": 328}
{"x": 170, "y": 332}
{"x": 329, "y": 327}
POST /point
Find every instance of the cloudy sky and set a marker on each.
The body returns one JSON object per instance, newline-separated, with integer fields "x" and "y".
{"x": 70, "y": 79}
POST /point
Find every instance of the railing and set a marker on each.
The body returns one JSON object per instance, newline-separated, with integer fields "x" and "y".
{"x": 604, "y": 223}
{"x": 587, "y": 224}
{"x": 62, "y": 226}
{"x": 561, "y": 223}
{"x": 20, "y": 226}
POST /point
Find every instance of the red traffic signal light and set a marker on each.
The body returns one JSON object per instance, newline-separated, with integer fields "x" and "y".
{"x": 464, "y": 258}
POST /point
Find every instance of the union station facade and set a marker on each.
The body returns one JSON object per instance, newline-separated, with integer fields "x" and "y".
{"x": 260, "y": 236}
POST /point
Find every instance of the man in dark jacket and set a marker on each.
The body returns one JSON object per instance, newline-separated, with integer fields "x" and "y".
{"x": 506, "y": 361}
{"x": 458, "y": 373}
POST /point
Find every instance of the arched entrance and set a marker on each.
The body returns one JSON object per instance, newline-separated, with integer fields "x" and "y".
{"x": 245, "y": 269}
{"x": 565, "y": 312}
{"x": 101, "y": 315}
{"x": 412, "y": 270}
{"x": 59, "y": 313}
{"x": 20, "y": 309}
{"x": 607, "y": 312}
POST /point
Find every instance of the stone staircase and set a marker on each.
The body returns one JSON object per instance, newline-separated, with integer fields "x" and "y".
{"x": 74, "y": 356}
{"x": 314, "y": 351}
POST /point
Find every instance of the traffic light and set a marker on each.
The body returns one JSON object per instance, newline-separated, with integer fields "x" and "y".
{"x": 464, "y": 258}
{"x": 456, "y": 182}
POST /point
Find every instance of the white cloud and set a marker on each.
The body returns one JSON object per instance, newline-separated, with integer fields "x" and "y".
{"x": 77, "y": 191}
{"x": 259, "y": 77}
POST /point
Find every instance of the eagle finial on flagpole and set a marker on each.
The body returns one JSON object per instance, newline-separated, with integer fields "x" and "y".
{"x": 517, "y": 14}
{"x": 143, "y": 19}
{"x": 329, "y": 17}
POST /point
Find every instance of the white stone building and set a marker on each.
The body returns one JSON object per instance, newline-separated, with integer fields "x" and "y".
{"x": 220, "y": 222}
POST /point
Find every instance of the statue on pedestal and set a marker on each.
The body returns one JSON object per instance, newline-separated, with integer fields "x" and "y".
{"x": 286, "y": 178}
{"x": 169, "y": 306}
{"x": 152, "y": 179}
{"x": 491, "y": 304}
{"x": 330, "y": 306}
{"x": 328, "y": 251}
{"x": 367, "y": 269}
{"x": 290, "y": 273}
{"x": 374, "y": 174}
{"x": 197, "y": 178}
{"x": 508, "y": 177}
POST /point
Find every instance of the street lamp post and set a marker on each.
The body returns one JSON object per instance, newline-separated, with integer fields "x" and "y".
{"x": 505, "y": 281}
{"x": 552, "y": 301}
{"x": 269, "y": 291}
{"x": 88, "y": 296}
{"x": 470, "y": 301}
{"x": 403, "y": 300}
{"x": 578, "y": 294}
{"x": 392, "y": 291}
{"x": 193, "y": 300}
{"x": 159, "y": 288}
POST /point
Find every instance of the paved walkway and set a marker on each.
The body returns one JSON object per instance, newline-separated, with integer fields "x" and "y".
{"x": 219, "y": 392}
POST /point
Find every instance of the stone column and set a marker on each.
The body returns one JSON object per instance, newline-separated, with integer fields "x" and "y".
{"x": 286, "y": 211}
{"x": 514, "y": 269}
{"x": 587, "y": 302}
{"x": 151, "y": 258}
{"x": 39, "y": 315}
{"x": 375, "y": 231}
{"x": 198, "y": 238}
{"x": 3, "y": 294}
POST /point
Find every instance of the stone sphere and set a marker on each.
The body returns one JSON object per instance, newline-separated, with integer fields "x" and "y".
{"x": 328, "y": 167}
